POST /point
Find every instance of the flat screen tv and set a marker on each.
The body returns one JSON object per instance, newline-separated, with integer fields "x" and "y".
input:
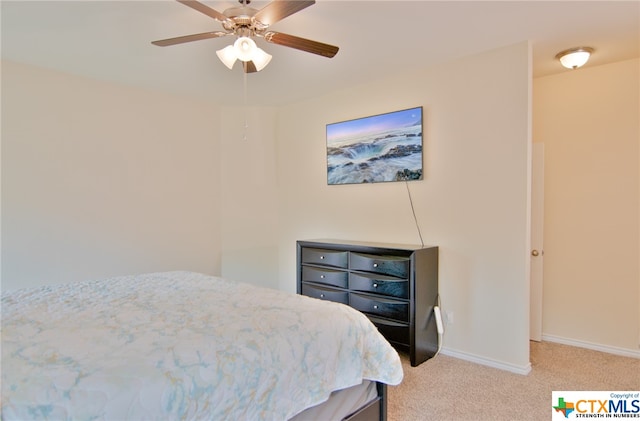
{"x": 379, "y": 148}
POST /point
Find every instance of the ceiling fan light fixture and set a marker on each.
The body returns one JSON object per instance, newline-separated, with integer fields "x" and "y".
{"x": 227, "y": 56}
{"x": 574, "y": 57}
{"x": 261, "y": 59}
{"x": 245, "y": 48}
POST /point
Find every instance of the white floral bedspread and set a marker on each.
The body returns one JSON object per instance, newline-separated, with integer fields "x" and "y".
{"x": 180, "y": 345}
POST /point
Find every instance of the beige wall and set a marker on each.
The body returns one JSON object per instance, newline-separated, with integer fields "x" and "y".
{"x": 101, "y": 180}
{"x": 473, "y": 202}
{"x": 589, "y": 121}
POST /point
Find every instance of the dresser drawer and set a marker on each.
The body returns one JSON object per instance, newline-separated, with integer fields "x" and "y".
{"x": 325, "y": 276}
{"x": 392, "y": 331}
{"x": 387, "y": 265}
{"x": 379, "y": 284}
{"x": 328, "y": 294}
{"x": 336, "y": 258}
{"x": 391, "y": 309}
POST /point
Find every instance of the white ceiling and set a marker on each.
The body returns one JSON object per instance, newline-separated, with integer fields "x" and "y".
{"x": 111, "y": 40}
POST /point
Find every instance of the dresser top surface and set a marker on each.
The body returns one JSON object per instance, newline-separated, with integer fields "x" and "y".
{"x": 330, "y": 241}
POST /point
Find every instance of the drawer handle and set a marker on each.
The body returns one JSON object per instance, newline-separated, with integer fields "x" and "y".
{"x": 321, "y": 295}
{"x": 375, "y": 306}
{"x": 321, "y": 257}
{"x": 321, "y": 276}
{"x": 375, "y": 285}
{"x": 375, "y": 265}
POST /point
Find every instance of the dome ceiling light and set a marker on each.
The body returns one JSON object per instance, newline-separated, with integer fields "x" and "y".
{"x": 574, "y": 57}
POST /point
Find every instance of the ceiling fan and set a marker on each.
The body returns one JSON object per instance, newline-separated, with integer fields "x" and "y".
{"x": 245, "y": 23}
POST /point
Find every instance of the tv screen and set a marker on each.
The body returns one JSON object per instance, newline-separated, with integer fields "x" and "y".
{"x": 379, "y": 148}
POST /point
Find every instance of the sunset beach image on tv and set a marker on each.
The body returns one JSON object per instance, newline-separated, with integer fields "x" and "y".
{"x": 379, "y": 148}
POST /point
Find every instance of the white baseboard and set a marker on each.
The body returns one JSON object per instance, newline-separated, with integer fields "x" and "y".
{"x": 518, "y": 369}
{"x": 524, "y": 370}
{"x": 624, "y": 352}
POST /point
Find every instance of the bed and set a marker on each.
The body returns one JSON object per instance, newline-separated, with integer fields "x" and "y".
{"x": 183, "y": 345}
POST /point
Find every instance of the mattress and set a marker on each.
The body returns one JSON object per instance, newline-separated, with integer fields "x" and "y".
{"x": 341, "y": 403}
{"x": 180, "y": 345}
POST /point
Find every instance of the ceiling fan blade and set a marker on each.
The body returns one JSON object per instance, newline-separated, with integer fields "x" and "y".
{"x": 303, "y": 44}
{"x": 188, "y": 38}
{"x": 205, "y": 9}
{"x": 249, "y": 67}
{"x": 280, "y": 9}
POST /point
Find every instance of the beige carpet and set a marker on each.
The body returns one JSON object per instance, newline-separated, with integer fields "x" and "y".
{"x": 446, "y": 388}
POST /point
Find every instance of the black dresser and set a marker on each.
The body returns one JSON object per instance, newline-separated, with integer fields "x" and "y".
{"x": 396, "y": 286}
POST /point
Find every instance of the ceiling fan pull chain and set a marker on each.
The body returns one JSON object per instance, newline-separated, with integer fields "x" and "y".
{"x": 246, "y": 111}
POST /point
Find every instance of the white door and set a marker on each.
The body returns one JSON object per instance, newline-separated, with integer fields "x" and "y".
{"x": 537, "y": 253}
